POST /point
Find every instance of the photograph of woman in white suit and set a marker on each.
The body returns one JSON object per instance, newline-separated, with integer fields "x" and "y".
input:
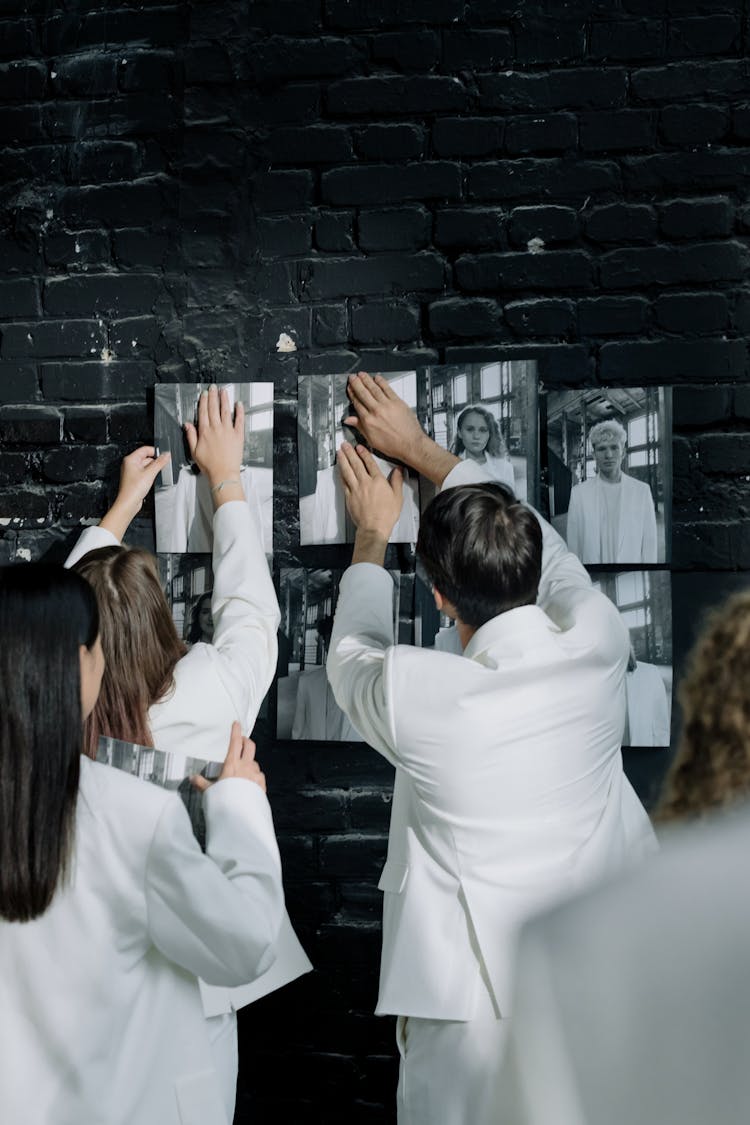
{"x": 478, "y": 438}
{"x": 158, "y": 693}
{"x": 109, "y": 910}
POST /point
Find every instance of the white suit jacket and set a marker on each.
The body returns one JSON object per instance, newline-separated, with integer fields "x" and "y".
{"x": 633, "y": 1000}
{"x": 214, "y": 684}
{"x": 317, "y": 715}
{"x": 101, "y": 1020}
{"x": 509, "y": 784}
{"x": 636, "y": 541}
{"x": 648, "y": 706}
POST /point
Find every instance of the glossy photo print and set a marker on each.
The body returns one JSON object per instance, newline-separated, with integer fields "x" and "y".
{"x": 183, "y": 501}
{"x": 609, "y": 472}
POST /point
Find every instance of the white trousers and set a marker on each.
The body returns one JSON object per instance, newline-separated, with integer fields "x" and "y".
{"x": 222, "y": 1032}
{"x": 450, "y": 1069}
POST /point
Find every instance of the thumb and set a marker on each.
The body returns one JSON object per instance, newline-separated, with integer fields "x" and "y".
{"x": 396, "y": 481}
{"x": 200, "y": 783}
{"x": 192, "y": 437}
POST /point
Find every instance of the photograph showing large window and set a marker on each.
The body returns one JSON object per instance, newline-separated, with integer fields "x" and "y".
{"x": 183, "y": 502}
{"x": 486, "y": 412}
{"x": 322, "y": 407}
{"x": 609, "y": 472}
{"x": 306, "y": 708}
{"x": 644, "y": 601}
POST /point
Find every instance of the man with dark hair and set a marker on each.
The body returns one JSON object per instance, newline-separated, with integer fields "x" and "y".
{"x": 509, "y": 789}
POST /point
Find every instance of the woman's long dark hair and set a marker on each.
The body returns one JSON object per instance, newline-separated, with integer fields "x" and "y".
{"x": 46, "y": 613}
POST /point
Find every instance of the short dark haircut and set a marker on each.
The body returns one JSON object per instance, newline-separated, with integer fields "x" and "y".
{"x": 482, "y": 550}
{"x": 46, "y": 614}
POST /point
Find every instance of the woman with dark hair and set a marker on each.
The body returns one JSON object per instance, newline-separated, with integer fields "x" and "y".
{"x": 478, "y": 438}
{"x": 711, "y": 769}
{"x": 108, "y": 908}
{"x": 201, "y": 621}
{"x": 157, "y": 693}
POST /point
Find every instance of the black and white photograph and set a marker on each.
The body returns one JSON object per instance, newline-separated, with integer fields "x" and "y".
{"x": 609, "y": 473}
{"x": 644, "y": 601}
{"x": 488, "y": 413}
{"x": 170, "y": 771}
{"x": 187, "y": 581}
{"x": 322, "y": 407}
{"x": 306, "y": 708}
{"x": 183, "y": 502}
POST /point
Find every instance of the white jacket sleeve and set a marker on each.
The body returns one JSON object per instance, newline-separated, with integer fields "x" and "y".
{"x": 217, "y": 915}
{"x": 245, "y": 609}
{"x": 90, "y": 539}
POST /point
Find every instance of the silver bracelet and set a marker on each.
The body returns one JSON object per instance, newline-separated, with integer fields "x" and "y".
{"x": 218, "y": 487}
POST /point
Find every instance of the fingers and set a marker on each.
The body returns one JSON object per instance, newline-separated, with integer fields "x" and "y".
{"x": 214, "y": 405}
{"x": 371, "y": 466}
{"x": 248, "y": 750}
{"x": 385, "y": 387}
{"x": 202, "y": 411}
{"x": 192, "y": 438}
{"x": 396, "y": 481}
{"x": 364, "y": 392}
{"x": 234, "y": 753}
{"x": 239, "y": 418}
{"x": 350, "y": 466}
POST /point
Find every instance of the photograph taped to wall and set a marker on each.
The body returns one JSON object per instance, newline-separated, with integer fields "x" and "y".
{"x": 322, "y": 406}
{"x": 644, "y": 601}
{"x": 610, "y": 486}
{"x": 183, "y": 502}
{"x": 170, "y": 771}
{"x": 488, "y": 413}
{"x": 306, "y": 708}
{"x": 188, "y": 581}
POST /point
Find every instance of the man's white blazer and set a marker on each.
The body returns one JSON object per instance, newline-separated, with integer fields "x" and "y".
{"x": 636, "y": 532}
{"x": 509, "y": 787}
{"x": 101, "y": 1021}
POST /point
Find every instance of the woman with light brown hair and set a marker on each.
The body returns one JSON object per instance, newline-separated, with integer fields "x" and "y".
{"x": 158, "y": 693}
{"x": 711, "y": 769}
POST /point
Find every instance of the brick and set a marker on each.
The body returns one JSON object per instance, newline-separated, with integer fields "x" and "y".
{"x": 554, "y": 133}
{"x": 741, "y": 406}
{"x": 102, "y": 293}
{"x": 666, "y": 265}
{"x": 693, "y": 124}
{"x": 407, "y": 50}
{"x": 701, "y": 406}
{"x": 283, "y": 191}
{"x": 665, "y": 361}
{"x": 741, "y": 122}
{"x": 551, "y": 224}
{"x": 142, "y": 248}
{"x": 525, "y": 178}
{"x": 332, "y": 362}
{"x": 22, "y": 123}
{"x": 76, "y": 251}
{"x": 22, "y": 81}
{"x": 621, "y": 222}
{"x": 385, "y": 274}
{"x": 135, "y": 335}
{"x": 741, "y": 314}
{"x": 91, "y": 74}
{"x": 558, "y": 269}
{"x": 468, "y": 136}
{"x": 370, "y": 808}
{"x": 285, "y": 57}
{"x": 132, "y": 115}
{"x": 310, "y": 144}
{"x": 29, "y": 505}
{"x": 689, "y": 80}
{"x": 77, "y": 503}
{"x": 74, "y": 30}
{"x": 79, "y": 463}
{"x": 391, "y": 183}
{"x": 14, "y": 468}
{"x": 390, "y": 142}
{"x": 320, "y": 810}
{"x": 581, "y": 88}
{"x": 329, "y": 326}
{"x": 476, "y": 228}
{"x": 17, "y": 38}
{"x": 466, "y": 319}
{"x": 617, "y": 130}
{"x": 149, "y": 70}
{"x": 294, "y": 102}
{"x": 113, "y": 204}
{"x": 18, "y": 382}
{"x": 19, "y": 297}
{"x": 272, "y": 16}
{"x": 354, "y": 97}
{"x": 379, "y": 322}
{"x": 540, "y": 39}
{"x": 702, "y": 545}
{"x": 283, "y": 237}
{"x": 692, "y": 313}
{"x": 612, "y": 316}
{"x": 477, "y": 50}
{"x": 45, "y": 338}
{"x": 724, "y": 453}
{"x": 85, "y": 423}
{"x": 557, "y": 363}
{"x": 96, "y": 381}
{"x": 696, "y": 218}
{"x": 30, "y": 425}
{"x": 352, "y": 14}
{"x": 627, "y": 39}
{"x": 42, "y": 162}
{"x": 335, "y": 232}
{"x": 353, "y": 854}
{"x": 541, "y": 317}
{"x": 716, "y": 34}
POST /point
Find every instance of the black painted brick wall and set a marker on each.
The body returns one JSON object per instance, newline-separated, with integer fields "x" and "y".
{"x": 390, "y": 183}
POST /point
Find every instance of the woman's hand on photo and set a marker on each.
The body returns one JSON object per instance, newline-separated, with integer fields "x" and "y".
{"x": 138, "y": 472}
{"x": 216, "y": 443}
{"x": 239, "y": 762}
